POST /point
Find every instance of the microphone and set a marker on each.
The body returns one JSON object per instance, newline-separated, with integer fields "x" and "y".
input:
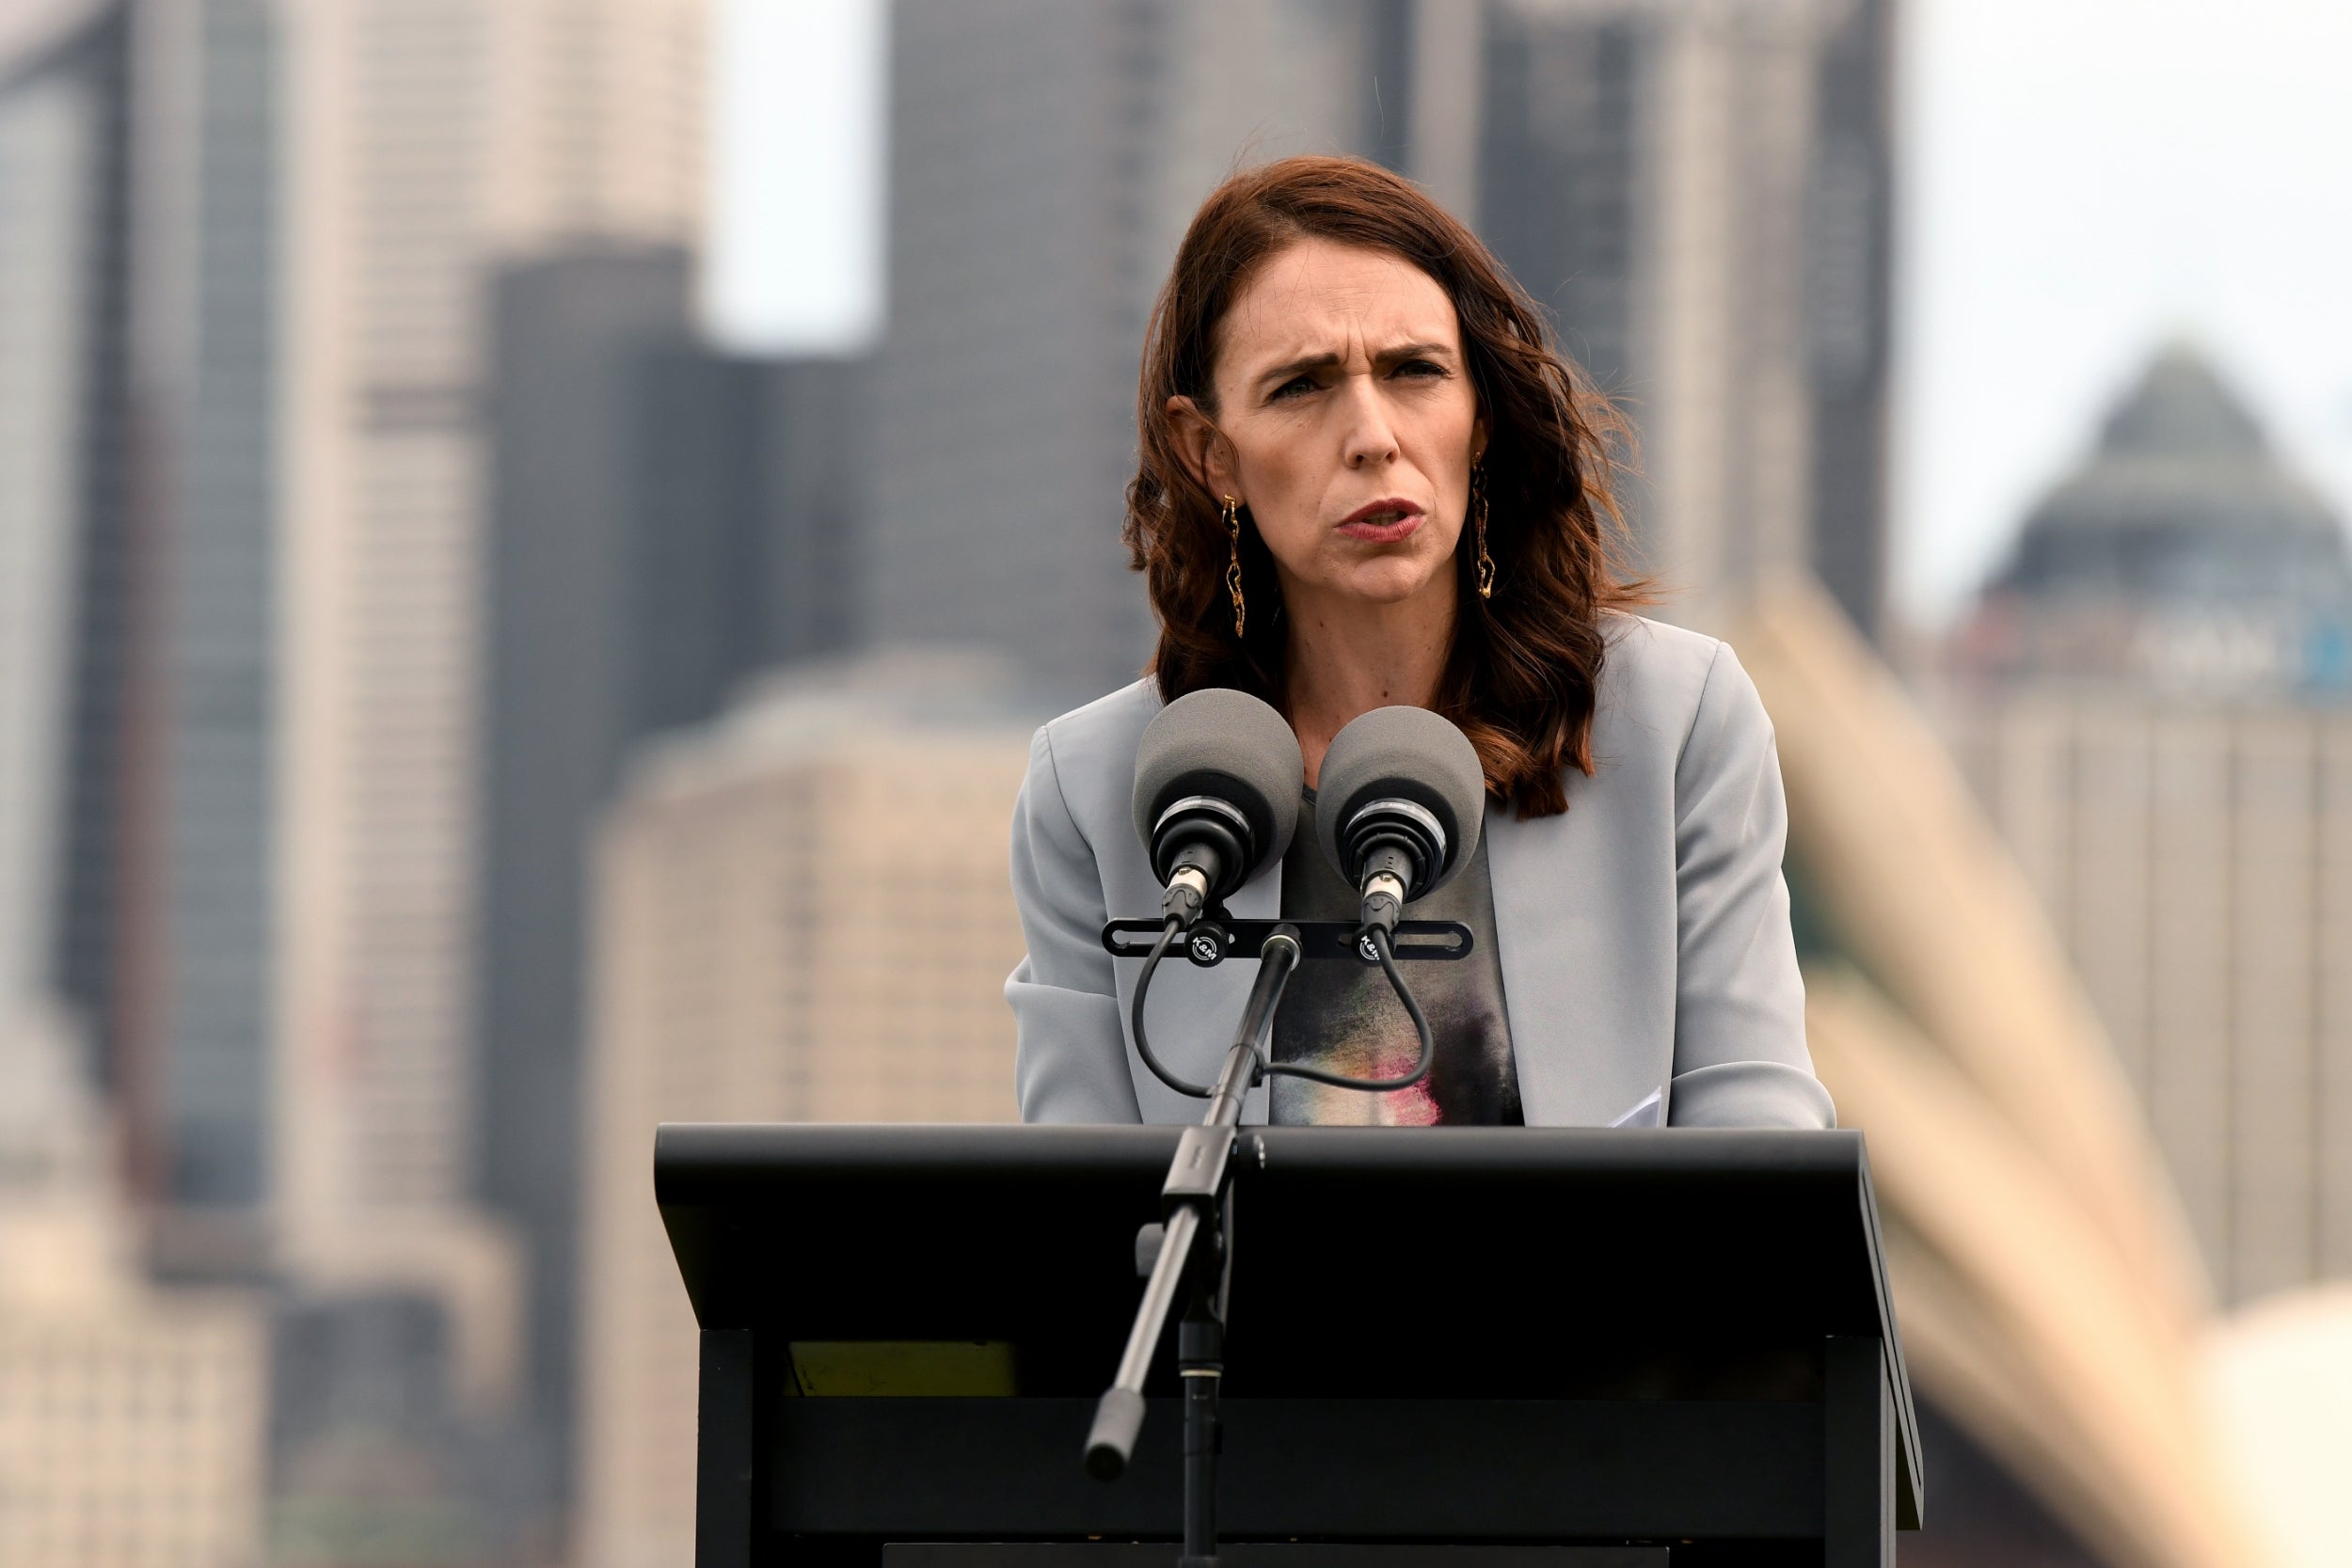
{"x": 1218, "y": 781}
{"x": 1399, "y": 806}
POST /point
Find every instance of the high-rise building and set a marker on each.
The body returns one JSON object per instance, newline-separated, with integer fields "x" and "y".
{"x": 2152, "y": 706}
{"x": 60, "y": 246}
{"x": 428, "y": 140}
{"x": 801, "y": 914}
{"x": 194, "y": 981}
{"x": 1700, "y": 193}
{"x": 665, "y": 519}
{"x": 1030, "y": 225}
{"x": 142, "y": 277}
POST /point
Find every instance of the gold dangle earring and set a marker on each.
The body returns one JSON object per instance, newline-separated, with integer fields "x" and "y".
{"x": 1478, "y": 525}
{"x": 1232, "y": 571}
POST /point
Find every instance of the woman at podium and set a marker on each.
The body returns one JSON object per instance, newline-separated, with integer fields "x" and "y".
{"x": 1367, "y": 477}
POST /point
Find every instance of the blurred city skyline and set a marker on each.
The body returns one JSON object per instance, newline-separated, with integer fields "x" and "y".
{"x": 532, "y": 532}
{"x": 2083, "y": 182}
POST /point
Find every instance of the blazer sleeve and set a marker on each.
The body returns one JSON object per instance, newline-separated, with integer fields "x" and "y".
{"x": 1071, "y": 1064}
{"x": 1739, "y": 1049}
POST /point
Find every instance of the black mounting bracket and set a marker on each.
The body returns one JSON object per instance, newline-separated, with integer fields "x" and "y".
{"x": 1211, "y": 941}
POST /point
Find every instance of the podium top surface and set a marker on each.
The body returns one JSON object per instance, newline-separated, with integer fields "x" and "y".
{"x": 1444, "y": 1262}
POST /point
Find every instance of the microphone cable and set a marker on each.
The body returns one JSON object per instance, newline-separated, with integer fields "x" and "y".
{"x": 1378, "y": 935}
{"x": 1169, "y": 934}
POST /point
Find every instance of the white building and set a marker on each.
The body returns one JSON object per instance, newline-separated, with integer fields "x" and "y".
{"x": 132, "y": 1420}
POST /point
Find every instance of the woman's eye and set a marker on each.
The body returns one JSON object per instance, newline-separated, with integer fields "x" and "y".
{"x": 1294, "y": 387}
{"x": 1421, "y": 368}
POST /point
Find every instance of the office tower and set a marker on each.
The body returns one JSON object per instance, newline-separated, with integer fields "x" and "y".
{"x": 664, "y": 519}
{"x": 428, "y": 140}
{"x": 801, "y": 913}
{"x": 1700, "y": 194}
{"x": 202, "y": 727}
{"x": 149, "y": 270}
{"x": 2153, "y": 710}
{"x": 60, "y": 248}
{"x": 1045, "y": 156}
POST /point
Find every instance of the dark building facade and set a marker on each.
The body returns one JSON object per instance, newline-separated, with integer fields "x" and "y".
{"x": 664, "y": 520}
{"x": 1006, "y": 385}
{"x": 206, "y": 423}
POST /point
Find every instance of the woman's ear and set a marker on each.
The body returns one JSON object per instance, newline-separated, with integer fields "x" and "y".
{"x": 1200, "y": 447}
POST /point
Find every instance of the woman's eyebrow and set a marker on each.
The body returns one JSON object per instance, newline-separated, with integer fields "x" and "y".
{"x": 1325, "y": 361}
{"x": 1298, "y": 367}
{"x": 1414, "y": 351}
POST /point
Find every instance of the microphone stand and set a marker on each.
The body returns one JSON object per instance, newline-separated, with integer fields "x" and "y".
{"x": 1198, "y": 1199}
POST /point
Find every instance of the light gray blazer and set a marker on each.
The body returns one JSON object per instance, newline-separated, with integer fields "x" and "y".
{"x": 1649, "y": 969}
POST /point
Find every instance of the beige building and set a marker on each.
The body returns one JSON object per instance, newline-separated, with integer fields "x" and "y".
{"x": 132, "y": 1418}
{"x": 426, "y": 140}
{"x": 802, "y": 913}
{"x": 2197, "y": 862}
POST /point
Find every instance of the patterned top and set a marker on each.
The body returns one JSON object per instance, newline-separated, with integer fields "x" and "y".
{"x": 1347, "y": 1017}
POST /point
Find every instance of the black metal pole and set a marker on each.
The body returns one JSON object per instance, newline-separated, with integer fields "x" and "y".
{"x": 1194, "y": 1195}
{"x": 1201, "y": 1362}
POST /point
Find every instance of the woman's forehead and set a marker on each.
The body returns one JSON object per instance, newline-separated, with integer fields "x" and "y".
{"x": 1318, "y": 296}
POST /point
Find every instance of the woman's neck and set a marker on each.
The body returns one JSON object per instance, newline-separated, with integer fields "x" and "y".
{"x": 1348, "y": 656}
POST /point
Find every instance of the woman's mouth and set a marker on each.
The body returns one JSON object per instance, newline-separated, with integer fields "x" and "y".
{"x": 1384, "y": 522}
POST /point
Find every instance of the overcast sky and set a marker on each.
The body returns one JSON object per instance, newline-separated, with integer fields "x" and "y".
{"x": 2082, "y": 179}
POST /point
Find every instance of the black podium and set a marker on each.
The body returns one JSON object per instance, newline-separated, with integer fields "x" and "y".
{"x": 1523, "y": 1345}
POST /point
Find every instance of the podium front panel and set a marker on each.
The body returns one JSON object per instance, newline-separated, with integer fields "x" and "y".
{"x": 1493, "y": 1336}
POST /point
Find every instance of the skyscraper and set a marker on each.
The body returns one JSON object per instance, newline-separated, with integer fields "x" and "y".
{"x": 431, "y": 139}
{"x": 61, "y": 242}
{"x": 204, "y": 710}
{"x": 664, "y": 519}
{"x": 143, "y": 149}
{"x": 1701, "y": 196}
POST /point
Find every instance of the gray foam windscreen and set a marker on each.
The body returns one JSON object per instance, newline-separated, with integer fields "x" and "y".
{"x": 1411, "y": 753}
{"x": 1222, "y": 733}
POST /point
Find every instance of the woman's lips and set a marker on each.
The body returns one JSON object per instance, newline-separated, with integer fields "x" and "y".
{"x": 1383, "y": 522}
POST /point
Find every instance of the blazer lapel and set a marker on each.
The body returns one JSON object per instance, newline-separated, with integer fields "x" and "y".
{"x": 1565, "y": 985}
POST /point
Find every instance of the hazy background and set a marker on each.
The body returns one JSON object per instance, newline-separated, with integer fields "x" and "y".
{"x": 535, "y": 536}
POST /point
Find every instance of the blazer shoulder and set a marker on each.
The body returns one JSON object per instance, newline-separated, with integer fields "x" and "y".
{"x": 1652, "y": 679}
{"x": 1092, "y": 751}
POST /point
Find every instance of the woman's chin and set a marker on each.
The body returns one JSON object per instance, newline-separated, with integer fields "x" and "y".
{"x": 1385, "y": 582}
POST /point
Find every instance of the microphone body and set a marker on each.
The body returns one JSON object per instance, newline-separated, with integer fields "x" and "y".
{"x": 1218, "y": 782}
{"x": 1401, "y": 802}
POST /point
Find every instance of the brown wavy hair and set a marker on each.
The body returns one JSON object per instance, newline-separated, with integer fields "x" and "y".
{"x": 1525, "y": 664}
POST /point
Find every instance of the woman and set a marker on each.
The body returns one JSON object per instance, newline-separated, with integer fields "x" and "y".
{"x": 1366, "y": 479}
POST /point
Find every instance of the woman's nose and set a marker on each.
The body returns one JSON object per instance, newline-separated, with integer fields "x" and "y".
{"x": 1369, "y": 439}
